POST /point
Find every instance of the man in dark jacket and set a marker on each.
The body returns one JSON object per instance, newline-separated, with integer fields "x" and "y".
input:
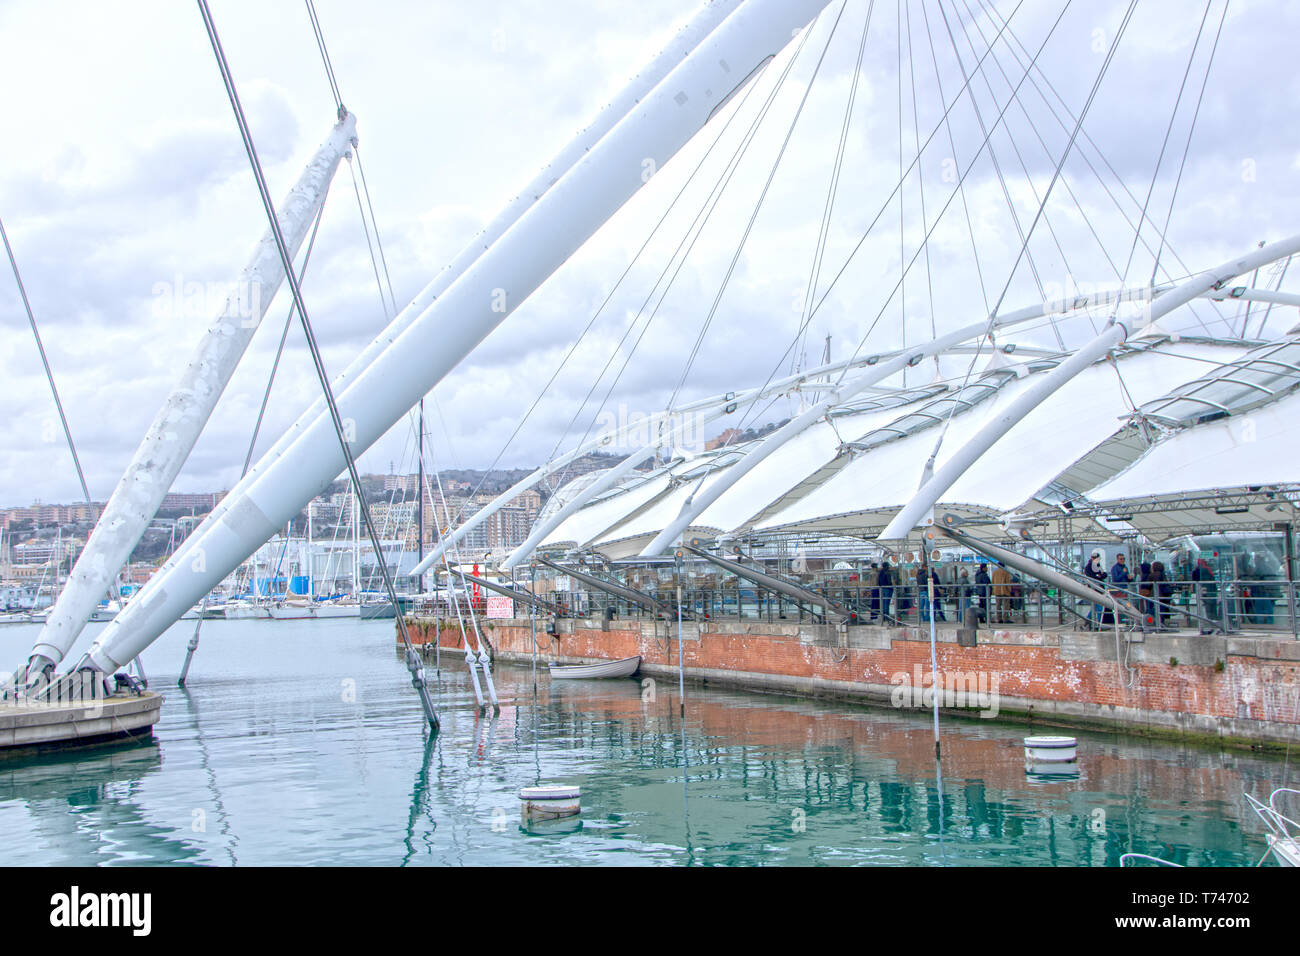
{"x": 1119, "y": 571}
{"x": 938, "y": 595}
{"x": 1206, "y": 590}
{"x": 1164, "y": 592}
{"x": 983, "y": 587}
{"x": 885, "y": 584}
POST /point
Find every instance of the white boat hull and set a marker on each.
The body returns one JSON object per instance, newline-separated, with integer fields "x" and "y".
{"x": 246, "y": 612}
{"x": 313, "y": 612}
{"x": 624, "y": 668}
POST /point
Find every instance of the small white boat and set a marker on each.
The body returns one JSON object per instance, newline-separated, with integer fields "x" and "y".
{"x": 624, "y": 668}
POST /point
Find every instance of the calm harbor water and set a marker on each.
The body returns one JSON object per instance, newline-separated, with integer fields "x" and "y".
{"x": 301, "y": 743}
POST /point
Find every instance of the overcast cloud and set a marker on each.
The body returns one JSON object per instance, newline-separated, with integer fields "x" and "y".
{"x": 124, "y": 171}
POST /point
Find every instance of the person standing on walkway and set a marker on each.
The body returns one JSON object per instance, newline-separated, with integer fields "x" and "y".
{"x": 983, "y": 588}
{"x": 1094, "y": 571}
{"x": 1002, "y": 593}
{"x": 1164, "y": 592}
{"x": 938, "y": 595}
{"x": 1119, "y": 571}
{"x": 1207, "y": 592}
{"x": 1120, "y": 577}
{"x": 885, "y": 585}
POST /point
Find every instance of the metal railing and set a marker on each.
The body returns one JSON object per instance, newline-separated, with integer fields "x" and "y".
{"x": 1206, "y": 606}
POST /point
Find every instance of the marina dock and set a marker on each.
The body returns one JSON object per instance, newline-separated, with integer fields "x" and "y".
{"x": 28, "y": 727}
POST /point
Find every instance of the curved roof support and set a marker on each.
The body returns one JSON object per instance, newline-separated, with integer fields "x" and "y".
{"x": 541, "y": 529}
{"x": 722, "y": 405}
{"x": 1115, "y": 333}
{"x": 1041, "y": 571}
{"x": 696, "y": 504}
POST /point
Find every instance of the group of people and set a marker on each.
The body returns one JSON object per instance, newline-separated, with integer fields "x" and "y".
{"x": 1155, "y": 589}
{"x": 996, "y": 595}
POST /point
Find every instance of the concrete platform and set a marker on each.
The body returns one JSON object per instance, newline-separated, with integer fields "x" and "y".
{"x": 30, "y": 727}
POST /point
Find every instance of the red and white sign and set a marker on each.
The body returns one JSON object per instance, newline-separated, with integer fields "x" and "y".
{"x": 500, "y": 606}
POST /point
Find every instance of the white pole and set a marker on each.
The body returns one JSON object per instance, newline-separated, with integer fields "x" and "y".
{"x": 681, "y": 658}
{"x": 532, "y": 617}
{"x": 311, "y": 555}
{"x": 506, "y": 274}
{"x": 181, "y": 420}
{"x": 934, "y": 653}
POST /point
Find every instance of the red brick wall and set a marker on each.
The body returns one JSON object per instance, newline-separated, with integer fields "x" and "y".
{"x": 1247, "y": 687}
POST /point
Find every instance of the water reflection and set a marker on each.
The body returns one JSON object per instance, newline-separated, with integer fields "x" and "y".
{"x": 205, "y": 761}
{"x": 84, "y": 809}
{"x": 304, "y": 745}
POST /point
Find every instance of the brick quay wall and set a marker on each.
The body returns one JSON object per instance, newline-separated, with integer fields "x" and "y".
{"x": 1235, "y": 691}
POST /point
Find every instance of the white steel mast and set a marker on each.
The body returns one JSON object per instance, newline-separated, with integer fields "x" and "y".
{"x": 686, "y": 40}
{"x": 184, "y": 414}
{"x": 476, "y": 303}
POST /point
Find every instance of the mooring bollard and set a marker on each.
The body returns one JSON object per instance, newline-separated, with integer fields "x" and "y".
{"x": 967, "y": 634}
{"x": 549, "y": 803}
{"x": 1051, "y": 754}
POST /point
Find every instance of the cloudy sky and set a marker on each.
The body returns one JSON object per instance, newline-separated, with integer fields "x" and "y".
{"x": 124, "y": 179}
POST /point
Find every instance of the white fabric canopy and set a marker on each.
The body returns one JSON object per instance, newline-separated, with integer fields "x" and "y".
{"x": 587, "y": 523}
{"x": 1258, "y": 448}
{"x": 868, "y": 489}
{"x": 1071, "y": 422}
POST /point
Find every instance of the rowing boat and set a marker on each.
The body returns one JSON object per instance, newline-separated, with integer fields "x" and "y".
{"x": 624, "y": 668}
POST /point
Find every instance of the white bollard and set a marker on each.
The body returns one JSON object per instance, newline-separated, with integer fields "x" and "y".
{"x": 549, "y": 803}
{"x": 1050, "y": 754}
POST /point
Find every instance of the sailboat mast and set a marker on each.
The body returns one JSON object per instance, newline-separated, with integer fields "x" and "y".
{"x": 356, "y": 546}
{"x": 311, "y": 554}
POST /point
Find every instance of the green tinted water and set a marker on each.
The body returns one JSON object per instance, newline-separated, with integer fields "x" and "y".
{"x": 302, "y": 743}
